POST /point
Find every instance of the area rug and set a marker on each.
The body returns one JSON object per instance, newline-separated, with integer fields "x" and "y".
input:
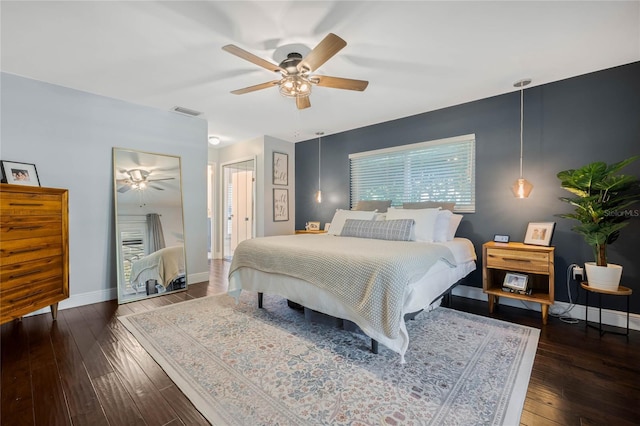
{"x": 241, "y": 365}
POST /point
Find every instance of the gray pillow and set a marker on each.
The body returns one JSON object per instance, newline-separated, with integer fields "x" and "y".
{"x": 372, "y": 205}
{"x": 395, "y": 230}
{"x": 429, "y": 205}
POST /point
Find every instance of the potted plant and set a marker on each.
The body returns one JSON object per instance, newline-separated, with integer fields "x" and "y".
{"x": 601, "y": 196}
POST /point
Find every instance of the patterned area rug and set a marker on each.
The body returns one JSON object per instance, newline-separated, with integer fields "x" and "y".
{"x": 241, "y": 365}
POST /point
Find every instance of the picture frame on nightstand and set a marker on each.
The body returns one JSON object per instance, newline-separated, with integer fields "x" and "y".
{"x": 517, "y": 282}
{"x": 539, "y": 233}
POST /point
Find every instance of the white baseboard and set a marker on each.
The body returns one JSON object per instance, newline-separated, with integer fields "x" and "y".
{"x": 609, "y": 317}
{"x": 198, "y": 277}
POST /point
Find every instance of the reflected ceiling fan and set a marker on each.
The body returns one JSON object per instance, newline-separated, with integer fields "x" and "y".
{"x": 296, "y": 71}
{"x": 139, "y": 179}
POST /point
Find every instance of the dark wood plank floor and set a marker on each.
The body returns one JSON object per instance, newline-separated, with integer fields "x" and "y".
{"x": 86, "y": 369}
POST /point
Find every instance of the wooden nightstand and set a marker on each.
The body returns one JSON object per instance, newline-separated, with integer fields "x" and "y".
{"x": 535, "y": 261}
{"x": 304, "y": 231}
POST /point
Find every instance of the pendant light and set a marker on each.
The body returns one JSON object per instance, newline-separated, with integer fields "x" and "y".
{"x": 319, "y": 192}
{"x": 522, "y": 187}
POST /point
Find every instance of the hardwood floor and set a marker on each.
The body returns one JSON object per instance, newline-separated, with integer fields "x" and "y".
{"x": 86, "y": 369}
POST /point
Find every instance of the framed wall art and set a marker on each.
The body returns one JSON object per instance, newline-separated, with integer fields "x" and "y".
{"x": 19, "y": 173}
{"x": 280, "y": 205}
{"x": 280, "y": 168}
{"x": 539, "y": 233}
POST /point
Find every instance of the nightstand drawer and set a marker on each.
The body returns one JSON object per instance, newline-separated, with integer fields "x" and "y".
{"x": 517, "y": 260}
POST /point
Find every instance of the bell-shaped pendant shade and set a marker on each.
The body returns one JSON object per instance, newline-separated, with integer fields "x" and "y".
{"x": 522, "y": 188}
{"x": 319, "y": 196}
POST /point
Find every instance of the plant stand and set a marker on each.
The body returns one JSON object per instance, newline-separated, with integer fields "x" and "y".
{"x": 621, "y": 291}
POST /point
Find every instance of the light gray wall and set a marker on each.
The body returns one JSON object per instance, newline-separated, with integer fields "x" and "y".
{"x": 69, "y": 136}
{"x": 261, "y": 149}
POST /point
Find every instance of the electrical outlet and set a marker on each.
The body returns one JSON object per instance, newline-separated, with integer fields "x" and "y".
{"x": 578, "y": 272}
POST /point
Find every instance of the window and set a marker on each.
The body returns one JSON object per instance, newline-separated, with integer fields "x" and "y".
{"x": 440, "y": 170}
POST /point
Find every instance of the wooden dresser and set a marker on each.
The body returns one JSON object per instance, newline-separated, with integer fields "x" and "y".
{"x": 34, "y": 249}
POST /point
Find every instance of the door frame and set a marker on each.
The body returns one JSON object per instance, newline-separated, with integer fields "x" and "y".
{"x": 223, "y": 198}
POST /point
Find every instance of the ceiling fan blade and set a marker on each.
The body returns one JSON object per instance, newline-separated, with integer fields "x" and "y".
{"x": 329, "y": 46}
{"x": 256, "y": 87}
{"x": 241, "y": 53}
{"x": 156, "y": 187}
{"x": 124, "y": 189}
{"x": 303, "y": 102}
{"x": 159, "y": 179}
{"x": 339, "y": 82}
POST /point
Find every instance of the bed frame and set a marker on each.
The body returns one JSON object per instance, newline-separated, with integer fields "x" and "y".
{"x": 446, "y": 296}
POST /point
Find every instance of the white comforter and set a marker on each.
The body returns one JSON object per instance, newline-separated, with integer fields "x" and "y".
{"x": 368, "y": 278}
{"x": 164, "y": 266}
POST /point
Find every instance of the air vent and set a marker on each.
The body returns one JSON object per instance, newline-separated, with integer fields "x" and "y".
{"x": 186, "y": 111}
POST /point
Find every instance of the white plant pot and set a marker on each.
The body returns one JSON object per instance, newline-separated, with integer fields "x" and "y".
{"x": 603, "y": 277}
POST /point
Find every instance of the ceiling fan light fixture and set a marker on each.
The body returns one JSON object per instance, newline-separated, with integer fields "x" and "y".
{"x": 294, "y": 86}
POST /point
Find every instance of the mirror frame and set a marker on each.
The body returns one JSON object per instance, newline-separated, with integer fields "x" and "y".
{"x": 118, "y": 227}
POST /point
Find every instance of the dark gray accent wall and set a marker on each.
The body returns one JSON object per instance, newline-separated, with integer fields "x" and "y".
{"x": 569, "y": 123}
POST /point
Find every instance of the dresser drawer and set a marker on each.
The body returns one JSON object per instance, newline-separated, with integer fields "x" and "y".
{"x": 30, "y": 204}
{"x": 27, "y": 273}
{"x": 21, "y": 300}
{"x": 16, "y": 251}
{"x": 518, "y": 260}
{"x": 19, "y": 227}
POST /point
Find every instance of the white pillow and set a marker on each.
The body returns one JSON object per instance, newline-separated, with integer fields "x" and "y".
{"x": 425, "y": 221}
{"x": 342, "y": 215}
{"x": 454, "y": 222}
{"x": 441, "y": 230}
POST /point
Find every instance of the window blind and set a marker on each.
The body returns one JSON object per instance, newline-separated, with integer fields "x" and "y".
{"x": 440, "y": 170}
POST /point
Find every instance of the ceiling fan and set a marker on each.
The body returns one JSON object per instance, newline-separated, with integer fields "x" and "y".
{"x": 139, "y": 179}
{"x": 296, "y": 71}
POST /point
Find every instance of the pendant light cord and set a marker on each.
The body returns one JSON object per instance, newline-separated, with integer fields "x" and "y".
{"x": 319, "y": 159}
{"x": 521, "y": 124}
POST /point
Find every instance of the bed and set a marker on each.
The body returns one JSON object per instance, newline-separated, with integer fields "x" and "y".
{"x": 370, "y": 282}
{"x": 163, "y": 268}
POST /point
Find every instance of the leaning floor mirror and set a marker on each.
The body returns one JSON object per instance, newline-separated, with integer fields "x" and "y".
{"x": 149, "y": 224}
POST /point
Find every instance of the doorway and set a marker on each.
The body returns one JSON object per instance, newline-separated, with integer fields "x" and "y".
{"x": 239, "y": 191}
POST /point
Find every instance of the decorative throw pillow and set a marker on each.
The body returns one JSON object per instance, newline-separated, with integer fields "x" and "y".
{"x": 441, "y": 230}
{"x": 394, "y": 230}
{"x": 454, "y": 222}
{"x": 380, "y": 206}
{"x": 425, "y": 221}
{"x": 341, "y": 215}
{"x": 429, "y": 205}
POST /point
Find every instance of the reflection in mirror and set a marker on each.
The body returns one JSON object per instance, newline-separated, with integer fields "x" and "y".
{"x": 149, "y": 224}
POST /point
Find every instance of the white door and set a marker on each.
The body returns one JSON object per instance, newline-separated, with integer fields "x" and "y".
{"x": 239, "y": 181}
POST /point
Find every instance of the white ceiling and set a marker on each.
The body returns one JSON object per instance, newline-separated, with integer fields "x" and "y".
{"x": 418, "y": 56}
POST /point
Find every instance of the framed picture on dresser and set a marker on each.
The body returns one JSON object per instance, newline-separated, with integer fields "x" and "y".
{"x": 19, "y": 173}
